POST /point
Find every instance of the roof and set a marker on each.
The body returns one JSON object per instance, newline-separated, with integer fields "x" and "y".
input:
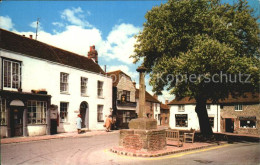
{"x": 247, "y": 98}
{"x": 148, "y": 97}
{"x": 116, "y": 75}
{"x": 164, "y": 106}
{"x": 20, "y": 44}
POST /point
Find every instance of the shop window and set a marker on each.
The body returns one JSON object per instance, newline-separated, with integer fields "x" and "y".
{"x": 181, "y": 108}
{"x": 64, "y": 111}
{"x": 3, "y": 111}
{"x": 100, "y": 113}
{"x": 211, "y": 122}
{"x": 100, "y": 89}
{"x": 181, "y": 120}
{"x": 36, "y": 112}
{"x": 83, "y": 86}
{"x": 64, "y": 82}
{"x": 11, "y": 74}
{"x": 247, "y": 123}
{"x": 126, "y": 116}
{"x": 238, "y": 107}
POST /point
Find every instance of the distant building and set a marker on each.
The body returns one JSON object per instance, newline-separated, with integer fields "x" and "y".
{"x": 124, "y": 102}
{"x": 165, "y": 114}
{"x": 36, "y": 77}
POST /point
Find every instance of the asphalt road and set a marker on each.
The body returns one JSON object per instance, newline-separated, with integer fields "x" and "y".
{"x": 94, "y": 151}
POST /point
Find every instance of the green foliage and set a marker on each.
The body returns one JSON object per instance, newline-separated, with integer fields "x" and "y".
{"x": 203, "y": 39}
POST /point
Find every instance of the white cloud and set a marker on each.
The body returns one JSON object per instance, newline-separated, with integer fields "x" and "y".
{"x": 75, "y": 16}
{"x": 34, "y": 25}
{"x": 59, "y": 24}
{"x": 120, "y": 43}
{"x": 6, "y": 23}
{"x": 125, "y": 69}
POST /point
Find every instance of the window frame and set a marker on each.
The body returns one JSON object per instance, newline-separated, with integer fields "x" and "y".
{"x": 100, "y": 89}
{"x": 84, "y": 86}
{"x": 238, "y": 107}
{"x": 19, "y": 70}
{"x": 254, "y": 127}
{"x": 100, "y": 112}
{"x": 208, "y": 107}
{"x": 3, "y": 111}
{"x": 32, "y": 112}
{"x": 127, "y": 94}
{"x": 181, "y": 109}
{"x": 185, "y": 123}
{"x": 63, "y": 83}
{"x": 65, "y": 111}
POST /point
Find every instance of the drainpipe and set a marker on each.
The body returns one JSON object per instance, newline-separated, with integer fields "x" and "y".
{"x": 217, "y": 117}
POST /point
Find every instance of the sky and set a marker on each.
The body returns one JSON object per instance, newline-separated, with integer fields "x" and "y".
{"x": 76, "y": 25}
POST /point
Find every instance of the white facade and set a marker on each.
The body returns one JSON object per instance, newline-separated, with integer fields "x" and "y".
{"x": 156, "y": 112}
{"x": 42, "y": 74}
{"x": 192, "y": 121}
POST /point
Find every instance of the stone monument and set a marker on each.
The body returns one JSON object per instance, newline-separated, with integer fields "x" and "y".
{"x": 142, "y": 133}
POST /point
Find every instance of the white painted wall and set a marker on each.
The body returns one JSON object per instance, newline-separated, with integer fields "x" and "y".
{"x": 193, "y": 121}
{"x": 157, "y": 111}
{"x": 38, "y": 74}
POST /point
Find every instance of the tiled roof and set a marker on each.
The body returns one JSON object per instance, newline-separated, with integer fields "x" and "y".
{"x": 17, "y": 43}
{"x": 164, "y": 106}
{"x": 116, "y": 75}
{"x": 148, "y": 97}
{"x": 247, "y": 98}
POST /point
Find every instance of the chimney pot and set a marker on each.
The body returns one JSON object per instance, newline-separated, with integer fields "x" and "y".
{"x": 31, "y": 36}
{"x": 134, "y": 84}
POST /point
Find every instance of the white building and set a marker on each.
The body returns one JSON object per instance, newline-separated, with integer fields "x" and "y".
{"x": 183, "y": 115}
{"x": 74, "y": 83}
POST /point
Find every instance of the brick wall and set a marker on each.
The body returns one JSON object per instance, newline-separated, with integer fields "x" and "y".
{"x": 228, "y": 111}
{"x": 147, "y": 140}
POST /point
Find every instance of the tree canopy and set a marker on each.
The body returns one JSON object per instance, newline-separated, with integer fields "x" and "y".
{"x": 201, "y": 48}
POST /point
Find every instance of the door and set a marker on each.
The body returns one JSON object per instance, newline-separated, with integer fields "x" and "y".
{"x": 16, "y": 121}
{"x": 84, "y": 114}
{"x": 229, "y": 125}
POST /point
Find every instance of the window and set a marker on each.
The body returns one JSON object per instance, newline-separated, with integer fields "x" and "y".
{"x": 181, "y": 120}
{"x": 238, "y": 107}
{"x": 3, "y": 111}
{"x": 181, "y": 108}
{"x": 84, "y": 82}
{"x": 247, "y": 122}
{"x": 37, "y": 112}
{"x": 64, "y": 111}
{"x": 100, "y": 113}
{"x": 211, "y": 122}
{"x": 127, "y": 94}
{"x": 12, "y": 78}
{"x": 64, "y": 82}
{"x": 100, "y": 89}
{"x": 126, "y": 116}
{"x": 208, "y": 107}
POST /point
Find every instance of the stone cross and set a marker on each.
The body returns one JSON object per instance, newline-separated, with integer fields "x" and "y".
{"x": 142, "y": 112}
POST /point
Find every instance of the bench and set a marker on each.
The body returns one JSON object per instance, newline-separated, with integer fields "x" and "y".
{"x": 174, "y": 135}
{"x": 188, "y": 136}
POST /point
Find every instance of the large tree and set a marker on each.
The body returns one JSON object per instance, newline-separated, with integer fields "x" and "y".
{"x": 203, "y": 49}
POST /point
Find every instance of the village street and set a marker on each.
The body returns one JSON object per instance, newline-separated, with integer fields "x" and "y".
{"x": 90, "y": 150}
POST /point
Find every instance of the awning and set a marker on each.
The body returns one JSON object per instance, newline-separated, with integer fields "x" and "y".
{"x": 17, "y": 103}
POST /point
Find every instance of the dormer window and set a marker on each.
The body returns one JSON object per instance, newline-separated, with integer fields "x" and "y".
{"x": 181, "y": 108}
{"x": 11, "y": 74}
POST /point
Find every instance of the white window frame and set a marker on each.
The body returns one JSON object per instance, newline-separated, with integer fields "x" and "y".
{"x": 84, "y": 86}
{"x": 12, "y": 76}
{"x": 100, "y": 109}
{"x": 3, "y": 111}
{"x": 181, "y": 108}
{"x": 100, "y": 89}
{"x": 64, "y": 109}
{"x": 127, "y": 94}
{"x": 36, "y": 111}
{"x": 238, "y": 107}
{"x": 64, "y": 82}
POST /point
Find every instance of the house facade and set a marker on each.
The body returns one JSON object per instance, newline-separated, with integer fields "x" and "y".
{"x": 124, "y": 102}
{"x": 183, "y": 115}
{"x": 37, "y": 77}
{"x": 152, "y": 106}
{"x": 241, "y": 115}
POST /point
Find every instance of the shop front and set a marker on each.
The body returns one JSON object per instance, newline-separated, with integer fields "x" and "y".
{"x": 24, "y": 114}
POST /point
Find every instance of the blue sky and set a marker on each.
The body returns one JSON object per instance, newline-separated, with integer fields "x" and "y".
{"x": 76, "y": 25}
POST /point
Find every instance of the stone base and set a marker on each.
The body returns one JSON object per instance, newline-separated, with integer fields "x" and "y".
{"x": 143, "y": 123}
{"x": 143, "y": 140}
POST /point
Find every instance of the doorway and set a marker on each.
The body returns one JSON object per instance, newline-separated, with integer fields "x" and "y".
{"x": 16, "y": 121}
{"x": 84, "y": 114}
{"x": 229, "y": 125}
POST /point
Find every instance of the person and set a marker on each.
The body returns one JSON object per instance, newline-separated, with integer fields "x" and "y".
{"x": 54, "y": 116}
{"x": 79, "y": 120}
{"x": 108, "y": 123}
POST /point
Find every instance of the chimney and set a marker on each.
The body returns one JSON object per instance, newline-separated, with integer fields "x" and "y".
{"x": 166, "y": 101}
{"x": 155, "y": 96}
{"x": 93, "y": 54}
{"x": 31, "y": 36}
{"x": 23, "y": 35}
{"x": 134, "y": 84}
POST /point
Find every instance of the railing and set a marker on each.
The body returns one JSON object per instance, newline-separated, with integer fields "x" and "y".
{"x": 126, "y": 103}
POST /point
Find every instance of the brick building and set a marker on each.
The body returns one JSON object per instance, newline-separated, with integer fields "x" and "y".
{"x": 165, "y": 114}
{"x": 241, "y": 115}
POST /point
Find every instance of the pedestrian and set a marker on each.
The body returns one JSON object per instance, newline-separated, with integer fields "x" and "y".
{"x": 79, "y": 121}
{"x": 108, "y": 123}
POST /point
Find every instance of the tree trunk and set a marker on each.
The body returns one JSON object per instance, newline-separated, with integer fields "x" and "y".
{"x": 202, "y": 113}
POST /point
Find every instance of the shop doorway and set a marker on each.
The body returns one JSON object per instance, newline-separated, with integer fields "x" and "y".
{"x": 84, "y": 112}
{"x": 16, "y": 121}
{"x": 229, "y": 125}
